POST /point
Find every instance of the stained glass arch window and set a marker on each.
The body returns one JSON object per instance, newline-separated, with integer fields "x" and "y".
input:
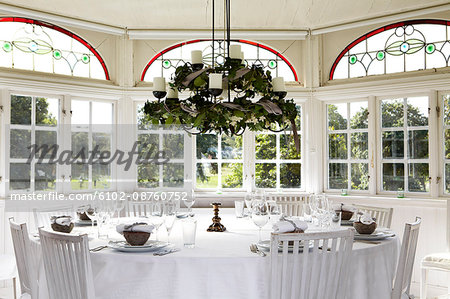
{"x": 39, "y": 46}
{"x": 165, "y": 62}
{"x": 400, "y": 47}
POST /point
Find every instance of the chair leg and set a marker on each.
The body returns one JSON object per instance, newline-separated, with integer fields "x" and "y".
{"x": 15, "y": 288}
{"x": 423, "y": 283}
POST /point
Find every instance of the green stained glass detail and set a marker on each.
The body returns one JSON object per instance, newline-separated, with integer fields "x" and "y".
{"x": 167, "y": 64}
{"x": 380, "y": 55}
{"x": 7, "y": 47}
{"x": 85, "y": 58}
{"x": 272, "y": 64}
{"x": 430, "y": 48}
{"x": 352, "y": 59}
{"x": 33, "y": 46}
{"x": 57, "y": 54}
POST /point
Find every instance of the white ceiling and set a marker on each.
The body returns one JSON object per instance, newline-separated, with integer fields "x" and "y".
{"x": 245, "y": 14}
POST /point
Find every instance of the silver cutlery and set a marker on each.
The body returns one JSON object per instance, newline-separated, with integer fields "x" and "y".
{"x": 166, "y": 251}
{"x": 368, "y": 242}
{"x": 98, "y": 248}
{"x": 254, "y": 248}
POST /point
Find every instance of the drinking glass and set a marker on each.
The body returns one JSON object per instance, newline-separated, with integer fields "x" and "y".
{"x": 189, "y": 230}
{"x": 248, "y": 202}
{"x": 274, "y": 211}
{"x": 157, "y": 217}
{"x": 260, "y": 215}
{"x": 239, "y": 208}
{"x": 307, "y": 212}
{"x": 189, "y": 201}
{"x": 93, "y": 215}
{"x": 119, "y": 205}
{"x": 169, "y": 217}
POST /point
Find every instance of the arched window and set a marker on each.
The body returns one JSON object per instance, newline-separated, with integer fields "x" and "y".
{"x": 38, "y": 46}
{"x": 400, "y": 47}
{"x": 165, "y": 62}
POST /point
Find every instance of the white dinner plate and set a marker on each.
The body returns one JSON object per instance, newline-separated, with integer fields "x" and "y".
{"x": 347, "y": 222}
{"x": 378, "y": 234}
{"x": 84, "y": 222}
{"x": 265, "y": 245}
{"x": 151, "y": 245}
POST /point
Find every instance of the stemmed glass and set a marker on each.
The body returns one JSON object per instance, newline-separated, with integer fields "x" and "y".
{"x": 248, "y": 203}
{"x": 157, "y": 217}
{"x": 92, "y": 212}
{"x": 189, "y": 201}
{"x": 169, "y": 217}
{"x": 119, "y": 205}
{"x": 260, "y": 215}
{"x": 274, "y": 211}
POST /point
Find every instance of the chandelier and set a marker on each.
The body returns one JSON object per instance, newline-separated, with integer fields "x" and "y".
{"x": 227, "y": 97}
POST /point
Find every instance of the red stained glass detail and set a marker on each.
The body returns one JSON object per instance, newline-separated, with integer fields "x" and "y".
{"x": 64, "y": 31}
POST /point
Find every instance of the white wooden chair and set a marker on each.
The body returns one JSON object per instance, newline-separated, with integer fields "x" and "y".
{"x": 139, "y": 208}
{"x": 26, "y": 265}
{"x": 42, "y": 216}
{"x": 435, "y": 261}
{"x": 67, "y": 265}
{"x": 8, "y": 270}
{"x": 406, "y": 260}
{"x": 291, "y": 204}
{"x": 382, "y": 215}
{"x": 320, "y": 272}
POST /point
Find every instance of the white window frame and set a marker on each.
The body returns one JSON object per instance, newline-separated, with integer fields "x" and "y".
{"x": 113, "y": 182}
{"x": 442, "y": 128}
{"x": 431, "y": 151}
{"x": 32, "y": 128}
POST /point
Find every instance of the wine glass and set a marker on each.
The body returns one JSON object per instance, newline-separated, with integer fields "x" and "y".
{"x": 169, "y": 217}
{"x": 119, "y": 205}
{"x": 274, "y": 211}
{"x": 157, "y": 218}
{"x": 92, "y": 211}
{"x": 260, "y": 215}
{"x": 189, "y": 201}
{"x": 248, "y": 202}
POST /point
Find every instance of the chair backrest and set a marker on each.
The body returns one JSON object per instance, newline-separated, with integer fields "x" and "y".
{"x": 139, "y": 208}
{"x": 382, "y": 215}
{"x": 42, "y": 216}
{"x": 279, "y": 197}
{"x": 320, "y": 272}
{"x": 67, "y": 265}
{"x": 291, "y": 208}
{"x": 26, "y": 265}
{"x": 406, "y": 260}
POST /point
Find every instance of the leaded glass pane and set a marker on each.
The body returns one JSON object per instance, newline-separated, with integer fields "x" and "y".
{"x": 47, "y": 112}
{"x": 359, "y": 145}
{"x": 337, "y": 117}
{"x": 392, "y": 113}
{"x": 337, "y": 175}
{"x": 418, "y": 177}
{"x": 417, "y": 109}
{"x": 418, "y": 144}
{"x": 393, "y": 144}
{"x": 393, "y": 176}
{"x": 20, "y": 110}
{"x": 360, "y": 176}
{"x": 359, "y": 115}
{"x": 337, "y": 146}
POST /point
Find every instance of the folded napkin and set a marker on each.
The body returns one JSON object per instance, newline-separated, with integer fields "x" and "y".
{"x": 61, "y": 220}
{"x": 135, "y": 227}
{"x": 348, "y": 208}
{"x": 365, "y": 218}
{"x": 284, "y": 226}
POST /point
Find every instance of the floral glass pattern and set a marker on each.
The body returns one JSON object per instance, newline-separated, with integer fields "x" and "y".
{"x": 165, "y": 62}
{"x": 39, "y": 46}
{"x": 400, "y": 47}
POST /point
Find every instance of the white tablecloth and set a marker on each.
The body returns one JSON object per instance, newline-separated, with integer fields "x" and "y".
{"x": 221, "y": 266}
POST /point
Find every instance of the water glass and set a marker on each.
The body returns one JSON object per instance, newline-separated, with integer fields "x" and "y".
{"x": 248, "y": 202}
{"x": 260, "y": 215}
{"x": 335, "y": 219}
{"x": 239, "y": 208}
{"x": 189, "y": 230}
{"x": 307, "y": 212}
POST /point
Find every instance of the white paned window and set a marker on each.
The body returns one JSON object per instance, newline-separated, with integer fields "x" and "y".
{"x": 33, "y": 140}
{"x": 278, "y": 164}
{"x": 404, "y": 144}
{"x": 92, "y": 135}
{"x": 166, "y": 143}
{"x": 348, "y": 146}
{"x": 219, "y": 162}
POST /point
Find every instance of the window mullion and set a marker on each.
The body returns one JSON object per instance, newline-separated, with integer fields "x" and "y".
{"x": 405, "y": 145}
{"x": 434, "y": 153}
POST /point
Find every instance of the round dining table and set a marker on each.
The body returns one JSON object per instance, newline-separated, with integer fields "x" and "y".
{"x": 221, "y": 265}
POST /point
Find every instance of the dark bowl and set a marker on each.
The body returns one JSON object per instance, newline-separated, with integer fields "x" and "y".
{"x": 62, "y": 228}
{"x": 136, "y": 238}
{"x": 346, "y": 215}
{"x": 365, "y": 229}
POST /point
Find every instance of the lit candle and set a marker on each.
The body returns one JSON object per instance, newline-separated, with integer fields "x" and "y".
{"x": 159, "y": 84}
{"x": 215, "y": 81}
{"x": 242, "y": 56}
{"x": 278, "y": 84}
{"x": 196, "y": 57}
{"x": 172, "y": 94}
{"x": 235, "y": 51}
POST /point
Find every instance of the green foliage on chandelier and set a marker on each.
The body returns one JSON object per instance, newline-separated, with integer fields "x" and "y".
{"x": 221, "y": 115}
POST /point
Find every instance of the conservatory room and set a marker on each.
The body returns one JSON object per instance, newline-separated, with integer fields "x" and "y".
{"x": 227, "y": 149}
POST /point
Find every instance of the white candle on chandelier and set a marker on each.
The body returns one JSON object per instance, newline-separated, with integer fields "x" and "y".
{"x": 159, "y": 84}
{"x": 235, "y": 51}
{"x": 278, "y": 84}
{"x": 172, "y": 94}
{"x": 242, "y": 57}
{"x": 215, "y": 81}
{"x": 196, "y": 57}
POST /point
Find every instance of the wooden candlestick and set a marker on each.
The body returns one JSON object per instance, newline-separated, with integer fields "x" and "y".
{"x": 216, "y": 226}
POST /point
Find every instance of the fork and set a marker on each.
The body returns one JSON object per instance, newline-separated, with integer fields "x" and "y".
{"x": 98, "y": 248}
{"x": 254, "y": 248}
